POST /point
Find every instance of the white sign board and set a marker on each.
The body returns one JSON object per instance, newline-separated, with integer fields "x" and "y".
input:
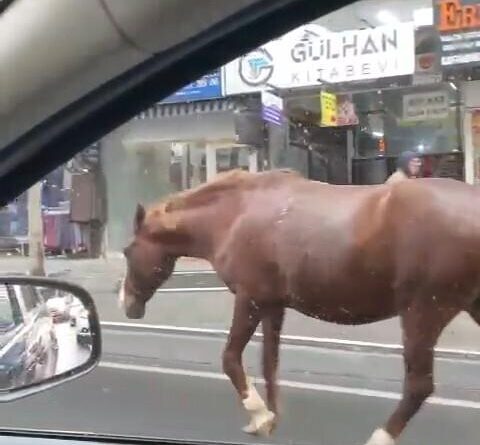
{"x": 272, "y": 108}
{"x": 271, "y": 100}
{"x": 425, "y": 106}
{"x": 306, "y": 57}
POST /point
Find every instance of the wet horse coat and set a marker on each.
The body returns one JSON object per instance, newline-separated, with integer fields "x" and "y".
{"x": 344, "y": 254}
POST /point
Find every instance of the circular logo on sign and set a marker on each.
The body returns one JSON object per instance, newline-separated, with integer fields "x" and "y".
{"x": 256, "y": 67}
{"x": 426, "y": 61}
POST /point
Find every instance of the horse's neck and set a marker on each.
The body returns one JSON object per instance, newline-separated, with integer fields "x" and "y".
{"x": 206, "y": 226}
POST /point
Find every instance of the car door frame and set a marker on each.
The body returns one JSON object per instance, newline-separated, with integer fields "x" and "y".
{"x": 59, "y": 137}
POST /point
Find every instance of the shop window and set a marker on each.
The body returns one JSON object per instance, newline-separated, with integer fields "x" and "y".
{"x": 231, "y": 158}
{"x": 436, "y": 132}
{"x": 420, "y": 119}
{"x": 384, "y": 118}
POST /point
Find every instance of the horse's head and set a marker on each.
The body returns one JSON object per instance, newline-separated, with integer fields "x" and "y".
{"x": 149, "y": 262}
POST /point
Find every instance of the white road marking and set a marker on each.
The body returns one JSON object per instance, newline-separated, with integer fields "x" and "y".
{"x": 194, "y": 272}
{"x": 441, "y": 401}
{"x": 176, "y": 290}
{"x": 317, "y": 341}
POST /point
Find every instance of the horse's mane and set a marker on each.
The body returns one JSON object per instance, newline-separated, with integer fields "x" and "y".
{"x": 223, "y": 181}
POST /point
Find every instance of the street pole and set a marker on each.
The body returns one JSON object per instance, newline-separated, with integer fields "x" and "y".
{"x": 35, "y": 231}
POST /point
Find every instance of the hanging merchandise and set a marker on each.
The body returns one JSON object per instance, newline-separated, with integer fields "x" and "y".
{"x": 85, "y": 200}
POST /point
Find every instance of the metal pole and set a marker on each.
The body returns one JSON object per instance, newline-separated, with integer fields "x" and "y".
{"x": 35, "y": 230}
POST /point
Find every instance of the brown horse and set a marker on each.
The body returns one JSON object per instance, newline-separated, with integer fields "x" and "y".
{"x": 345, "y": 254}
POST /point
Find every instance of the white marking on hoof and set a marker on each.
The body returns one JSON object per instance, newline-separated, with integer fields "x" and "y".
{"x": 262, "y": 419}
{"x": 381, "y": 437}
{"x": 121, "y": 295}
{"x": 261, "y": 424}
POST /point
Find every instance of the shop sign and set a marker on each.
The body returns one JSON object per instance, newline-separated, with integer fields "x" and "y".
{"x": 328, "y": 102}
{"x": 427, "y": 56}
{"x": 347, "y": 56}
{"x": 207, "y": 87}
{"x": 346, "y": 114}
{"x": 458, "y": 23}
{"x": 425, "y": 106}
{"x": 310, "y": 56}
{"x": 425, "y": 76}
{"x": 272, "y": 108}
{"x": 337, "y": 110}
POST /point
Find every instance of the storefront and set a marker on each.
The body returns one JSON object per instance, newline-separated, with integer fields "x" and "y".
{"x": 388, "y": 95}
{"x": 175, "y": 145}
{"x": 338, "y": 107}
{"x": 458, "y": 26}
{"x": 72, "y": 206}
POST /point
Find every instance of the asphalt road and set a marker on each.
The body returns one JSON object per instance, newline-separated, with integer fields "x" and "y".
{"x": 213, "y": 310}
{"x": 171, "y": 386}
{"x": 154, "y": 384}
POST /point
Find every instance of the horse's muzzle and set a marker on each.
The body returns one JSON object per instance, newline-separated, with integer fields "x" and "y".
{"x": 135, "y": 311}
{"x": 127, "y": 303}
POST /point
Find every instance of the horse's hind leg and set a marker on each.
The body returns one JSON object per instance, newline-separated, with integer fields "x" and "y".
{"x": 422, "y": 324}
{"x": 245, "y": 321}
{"x": 272, "y": 327}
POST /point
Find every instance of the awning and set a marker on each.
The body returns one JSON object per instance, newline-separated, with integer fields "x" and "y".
{"x": 189, "y": 108}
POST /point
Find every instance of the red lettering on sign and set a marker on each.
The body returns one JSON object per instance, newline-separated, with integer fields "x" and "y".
{"x": 453, "y": 16}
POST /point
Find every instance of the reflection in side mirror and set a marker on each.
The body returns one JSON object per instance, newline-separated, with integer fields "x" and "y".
{"x": 49, "y": 333}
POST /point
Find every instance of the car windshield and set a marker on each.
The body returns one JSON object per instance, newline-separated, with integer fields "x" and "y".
{"x": 295, "y": 177}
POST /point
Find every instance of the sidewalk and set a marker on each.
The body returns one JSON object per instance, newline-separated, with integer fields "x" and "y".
{"x": 111, "y": 268}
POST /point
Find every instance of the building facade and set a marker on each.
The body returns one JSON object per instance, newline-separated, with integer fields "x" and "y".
{"x": 336, "y": 105}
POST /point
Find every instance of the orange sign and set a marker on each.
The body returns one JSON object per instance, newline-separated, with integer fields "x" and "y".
{"x": 454, "y": 15}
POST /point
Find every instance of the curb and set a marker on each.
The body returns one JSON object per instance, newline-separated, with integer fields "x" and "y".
{"x": 58, "y": 274}
{"x": 293, "y": 340}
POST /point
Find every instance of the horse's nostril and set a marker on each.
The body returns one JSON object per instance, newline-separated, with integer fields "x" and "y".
{"x": 135, "y": 312}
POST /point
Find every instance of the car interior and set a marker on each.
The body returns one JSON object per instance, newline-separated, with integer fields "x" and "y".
{"x": 208, "y": 130}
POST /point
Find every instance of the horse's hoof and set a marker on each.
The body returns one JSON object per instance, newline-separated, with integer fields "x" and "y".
{"x": 381, "y": 437}
{"x": 262, "y": 425}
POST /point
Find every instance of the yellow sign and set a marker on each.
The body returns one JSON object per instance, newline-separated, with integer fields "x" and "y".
{"x": 328, "y": 105}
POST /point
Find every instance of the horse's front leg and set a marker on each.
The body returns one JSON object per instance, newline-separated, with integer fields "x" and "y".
{"x": 245, "y": 321}
{"x": 422, "y": 324}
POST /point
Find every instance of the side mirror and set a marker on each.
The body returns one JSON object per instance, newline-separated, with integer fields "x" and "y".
{"x": 49, "y": 334}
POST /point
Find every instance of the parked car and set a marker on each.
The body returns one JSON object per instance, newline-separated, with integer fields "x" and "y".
{"x": 59, "y": 307}
{"x": 28, "y": 343}
{"x": 83, "y": 334}
{"x": 76, "y": 310}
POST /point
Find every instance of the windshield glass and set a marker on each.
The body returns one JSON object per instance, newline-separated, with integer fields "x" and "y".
{"x": 371, "y": 100}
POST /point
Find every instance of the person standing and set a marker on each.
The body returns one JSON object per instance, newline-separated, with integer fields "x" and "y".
{"x": 409, "y": 165}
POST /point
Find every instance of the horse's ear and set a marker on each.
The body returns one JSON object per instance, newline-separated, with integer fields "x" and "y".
{"x": 139, "y": 218}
